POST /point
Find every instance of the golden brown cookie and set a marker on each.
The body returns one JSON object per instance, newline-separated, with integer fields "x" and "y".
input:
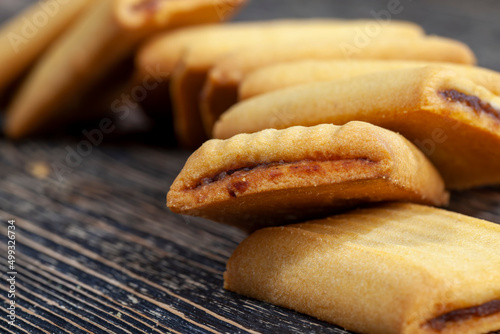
{"x": 165, "y": 50}
{"x": 101, "y": 37}
{"x": 280, "y": 176}
{"x": 221, "y": 88}
{"x": 288, "y": 74}
{"x": 187, "y": 55}
{"x": 27, "y": 35}
{"x": 452, "y": 115}
{"x": 397, "y": 268}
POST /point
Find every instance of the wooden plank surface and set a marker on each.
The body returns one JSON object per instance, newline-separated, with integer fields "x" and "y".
{"x": 98, "y": 251}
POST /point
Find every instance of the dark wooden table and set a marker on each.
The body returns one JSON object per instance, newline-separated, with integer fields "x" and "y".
{"x": 97, "y": 251}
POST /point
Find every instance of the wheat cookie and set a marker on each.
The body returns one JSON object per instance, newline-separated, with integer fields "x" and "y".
{"x": 189, "y": 76}
{"x": 288, "y": 74}
{"x": 452, "y": 115}
{"x": 392, "y": 269}
{"x": 27, "y": 35}
{"x": 101, "y": 37}
{"x": 276, "y": 177}
{"x": 187, "y": 55}
{"x": 167, "y": 49}
{"x": 221, "y": 87}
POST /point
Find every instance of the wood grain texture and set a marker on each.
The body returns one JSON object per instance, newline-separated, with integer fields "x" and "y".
{"x": 98, "y": 251}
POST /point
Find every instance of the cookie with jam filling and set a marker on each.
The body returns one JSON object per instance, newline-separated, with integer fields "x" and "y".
{"x": 221, "y": 88}
{"x": 397, "y": 268}
{"x": 276, "y": 177}
{"x": 283, "y": 75}
{"x": 451, "y": 114}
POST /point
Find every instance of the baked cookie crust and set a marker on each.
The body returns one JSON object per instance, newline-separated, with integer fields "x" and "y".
{"x": 276, "y": 177}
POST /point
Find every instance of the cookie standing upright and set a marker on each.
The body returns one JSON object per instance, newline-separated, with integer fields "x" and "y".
{"x": 281, "y": 176}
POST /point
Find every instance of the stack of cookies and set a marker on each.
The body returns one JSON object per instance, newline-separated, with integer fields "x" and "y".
{"x": 312, "y": 123}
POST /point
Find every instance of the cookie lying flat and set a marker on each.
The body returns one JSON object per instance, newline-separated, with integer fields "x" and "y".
{"x": 163, "y": 52}
{"x": 204, "y": 46}
{"x": 189, "y": 76}
{"x": 101, "y": 37}
{"x": 289, "y": 74}
{"x": 221, "y": 88}
{"x": 452, "y": 115}
{"x": 20, "y": 49}
{"x": 275, "y": 177}
{"x": 167, "y": 49}
{"x": 398, "y": 268}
